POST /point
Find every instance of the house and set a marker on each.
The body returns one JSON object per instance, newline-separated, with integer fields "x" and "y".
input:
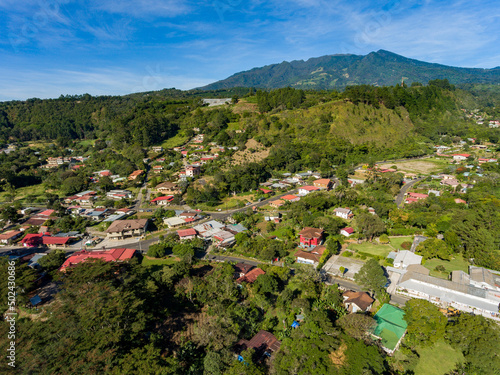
{"x": 371, "y": 210}
{"x": 264, "y": 343}
{"x": 290, "y": 198}
{"x": 187, "y": 234}
{"x": 192, "y": 170}
{"x": 53, "y": 242}
{"x": 347, "y": 231}
{"x": 251, "y": 276}
{"x": 111, "y": 255}
{"x": 121, "y": 229}
{"x": 357, "y": 301}
{"x": 163, "y": 201}
{"x": 450, "y": 182}
{"x": 460, "y": 201}
{"x": 133, "y": 176}
{"x": 416, "y": 196}
{"x": 173, "y": 222}
{"x": 277, "y": 203}
{"x": 353, "y": 182}
{"x": 323, "y": 184}
{"x": 311, "y": 237}
{"x": 168, "y": 187}
{"x": 119, "y": 194}
{"x": 32, "y": 240}
{"x": 223, "y": 238}
{"x": 437, "y": 193}
{"x": 390, "y": 328}
{"x": 310, "y": 257}
{"x": 157, "y": 149}
{"x": 304, "y": 190}
{"x": 241, "y": 269}
{"x": 266, "y": 191}
{"x": 208, "y": 229}
{"x": 9, "y": 236}
{"x": 405, "y": 258}
{"x": 460, "y": 157}
{"x": 344, "y": 213}
{"x": 157, "y": 168}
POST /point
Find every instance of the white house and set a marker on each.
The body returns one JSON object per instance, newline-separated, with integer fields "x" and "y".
{"x": 404, "y": 258}
{"x": 344, "y": 213}
{"x": 347, "y": 231}
{"x": 304, "y": 190}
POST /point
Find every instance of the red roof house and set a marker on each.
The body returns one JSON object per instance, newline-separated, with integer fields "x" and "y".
{"x": 163, "y": 201}
{"x": 56, "y": 241}
{"x": 251, "y": 276}
{"x": 32, "y": 240}
{"x": 111, "y": 255}
{"x": 311, "y": 237}
{"x": 347, "y": 231}
{"x": 290, "y": 198}
{"x": 187, "y": 234}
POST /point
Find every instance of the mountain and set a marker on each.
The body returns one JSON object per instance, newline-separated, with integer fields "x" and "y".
{"x": 381, "y": 68}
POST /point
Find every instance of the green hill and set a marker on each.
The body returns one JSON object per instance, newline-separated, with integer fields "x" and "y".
{"x": 381, "y": 68}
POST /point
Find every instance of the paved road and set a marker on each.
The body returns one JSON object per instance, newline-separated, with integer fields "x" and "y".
{"x": 404, "y": 189}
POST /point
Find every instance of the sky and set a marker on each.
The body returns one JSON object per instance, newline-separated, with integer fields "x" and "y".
{"x": 50, "y": 48}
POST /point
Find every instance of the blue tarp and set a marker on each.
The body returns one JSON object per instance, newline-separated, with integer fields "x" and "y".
{"x": 35, "y": 300}
{"x": 295, "y": 324}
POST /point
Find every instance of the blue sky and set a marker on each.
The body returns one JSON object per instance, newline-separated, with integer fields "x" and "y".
{"x": 54, "y": 47}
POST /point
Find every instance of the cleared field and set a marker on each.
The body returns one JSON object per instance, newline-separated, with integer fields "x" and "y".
{"x": 397, "y": 241}
{"x": 423, "y": 166}
{"x": 438, "y": 359}
{"x": 455, "y": 264}
{"x": 371, "y": 248}
{"x": 178, "y": 140}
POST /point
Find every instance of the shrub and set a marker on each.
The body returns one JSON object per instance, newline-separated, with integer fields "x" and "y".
{"x": 440, "y": 268}
{"x": 347, "y": 254}
{"x": 406, "y": 245}
{"x": 384, "y": 239}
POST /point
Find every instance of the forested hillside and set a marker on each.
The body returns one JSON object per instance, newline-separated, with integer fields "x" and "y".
{"x": 381, "y": 68}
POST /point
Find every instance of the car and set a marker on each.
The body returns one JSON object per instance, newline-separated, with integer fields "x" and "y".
{"x": 198, "y": 210}
{"x": 219, "y": 210}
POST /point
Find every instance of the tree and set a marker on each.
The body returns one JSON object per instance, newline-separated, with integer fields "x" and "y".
{"x": 426, "y": 324}
{"x": 371, "y": 276}
{"x": 357, "y": 325}
{"x": 434, "y": 248}
{"x": 53, "y": 260}
{"x": 9, "y": 214}
{"x": 370, "y": 225}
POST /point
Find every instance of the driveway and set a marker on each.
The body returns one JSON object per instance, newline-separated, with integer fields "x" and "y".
{"x": 404, "y": 190}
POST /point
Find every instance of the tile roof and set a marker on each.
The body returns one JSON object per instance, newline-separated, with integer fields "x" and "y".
{"x": 309, "y": 232}
{"x": 361, "y": 299}
{"x": 111, "y": 255}
{"x": 251, "y": 276}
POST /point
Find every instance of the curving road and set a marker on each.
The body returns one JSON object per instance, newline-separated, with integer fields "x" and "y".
{"x": 404, "y": 189}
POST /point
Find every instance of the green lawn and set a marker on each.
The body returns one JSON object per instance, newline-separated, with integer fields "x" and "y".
{"x": 438, "y": 359}
{"x": 158, "y": 262}
{"x": 372, "y": 248}
{"x": 458, "y": 263}
{"x": 397, "y": 241}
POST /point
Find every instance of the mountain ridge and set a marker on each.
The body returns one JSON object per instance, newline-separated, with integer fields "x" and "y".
{"x": 380, "y": 68}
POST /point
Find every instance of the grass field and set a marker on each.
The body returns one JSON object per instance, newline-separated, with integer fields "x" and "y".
{"x": 372, "y": 248}
{"x": 21, "y": 193}
{"x": 457, "y": 263}
{"x": 438, "y": 359}
{"x": 397, "y": 241}
{"x": 424, "y": 166}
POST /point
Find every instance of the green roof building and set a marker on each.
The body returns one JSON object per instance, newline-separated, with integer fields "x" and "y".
{"x": 390, "y": 328}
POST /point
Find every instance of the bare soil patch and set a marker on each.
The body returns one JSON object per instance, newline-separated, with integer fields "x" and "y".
{"x": 254, "y": 152}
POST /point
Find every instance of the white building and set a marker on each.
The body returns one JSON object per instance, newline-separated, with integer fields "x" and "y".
{"x": 405, "y": 258}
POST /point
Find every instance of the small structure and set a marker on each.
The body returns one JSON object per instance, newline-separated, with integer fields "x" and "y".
{"x": 251, "y": 276}
{"x": 390, "y": 328}
{"x": 264, "y": 343}
{"x": 290, "y": 198}
{"x": 347, "y": 231}
{"x": 357, "y": 301}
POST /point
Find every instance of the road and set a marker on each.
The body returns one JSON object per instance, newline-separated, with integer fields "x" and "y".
{"x": 400, "y": 197}
{"x": 223, "y": 215}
